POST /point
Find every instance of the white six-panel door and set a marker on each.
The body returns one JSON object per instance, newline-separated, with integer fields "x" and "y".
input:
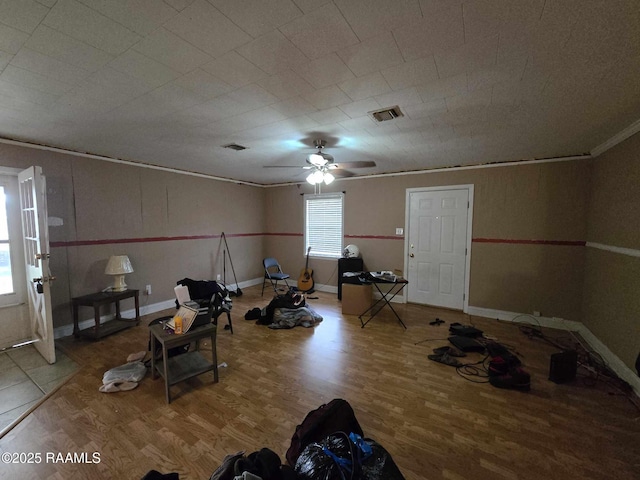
{"x": 436, "y": 246}
{"x": 33, "y": 206}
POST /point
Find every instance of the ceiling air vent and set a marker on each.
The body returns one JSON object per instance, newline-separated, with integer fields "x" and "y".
{"x": 387, "y": 114}
{"x": 235, "y": 146}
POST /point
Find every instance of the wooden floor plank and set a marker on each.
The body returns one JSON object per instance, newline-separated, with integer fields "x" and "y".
{"x": 436, "y": 423}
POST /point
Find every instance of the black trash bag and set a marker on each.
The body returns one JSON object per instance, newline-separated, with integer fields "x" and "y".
{"x": 380, "y": 465}
{"x": 342, "y": 457}
{"x": 330, "y": 459}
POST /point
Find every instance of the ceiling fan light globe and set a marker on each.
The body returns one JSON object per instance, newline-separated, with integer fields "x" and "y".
{"x": 328, "y": 178}
{"x": 315, "y": 177}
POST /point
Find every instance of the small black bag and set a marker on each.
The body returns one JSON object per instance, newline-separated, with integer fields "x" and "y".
{"x": 335, "y": 416}
{"x": 380, "y": 465}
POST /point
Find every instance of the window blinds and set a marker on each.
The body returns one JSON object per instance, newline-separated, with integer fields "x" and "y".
{"x": 323, "y": 224}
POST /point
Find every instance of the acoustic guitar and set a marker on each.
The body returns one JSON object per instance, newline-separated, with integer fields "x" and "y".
{"x": 305, "y": 282}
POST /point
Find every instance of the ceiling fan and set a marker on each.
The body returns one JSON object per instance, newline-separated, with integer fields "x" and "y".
{"x": 324, "y": 167}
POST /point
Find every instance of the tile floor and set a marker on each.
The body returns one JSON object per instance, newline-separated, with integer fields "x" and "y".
{"x": 26, "y": 378}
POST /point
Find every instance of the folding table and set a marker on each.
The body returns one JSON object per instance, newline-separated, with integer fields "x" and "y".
{"x": 397, "y": 285}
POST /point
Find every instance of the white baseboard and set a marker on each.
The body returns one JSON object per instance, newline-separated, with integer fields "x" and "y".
{"x": 611, "y": 359}
{"x": 66, "y": 330}
{"x": 617, "y": 365}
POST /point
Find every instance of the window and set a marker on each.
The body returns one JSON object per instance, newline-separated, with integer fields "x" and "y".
{"x": 323, "y": 224}
{"x": 12, "y": 286}
{"x": 6, "y": 276}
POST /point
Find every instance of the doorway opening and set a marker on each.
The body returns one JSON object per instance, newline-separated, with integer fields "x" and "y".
{"x": 438, "y": 245}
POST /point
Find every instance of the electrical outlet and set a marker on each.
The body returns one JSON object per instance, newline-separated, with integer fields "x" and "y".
{"x": 536, "y": 313}
{"x": 147, "y": 290}
{"x": 218, "y": 278}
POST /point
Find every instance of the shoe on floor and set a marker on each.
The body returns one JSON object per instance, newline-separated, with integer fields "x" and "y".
{"x": 136, "y": 357}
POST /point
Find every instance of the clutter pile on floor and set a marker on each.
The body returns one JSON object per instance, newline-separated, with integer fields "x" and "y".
{"x": 320, "y": 449}
{"x": 499, "y": 367}
{"x": 125, "y": 377}
{"x": 285, "y": 311}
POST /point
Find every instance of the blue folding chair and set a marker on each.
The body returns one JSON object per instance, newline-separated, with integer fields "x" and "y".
{"x": 273, "y": 272}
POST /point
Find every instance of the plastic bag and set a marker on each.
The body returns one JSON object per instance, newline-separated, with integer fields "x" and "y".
{"x": 330, "y": 459}
{"x": 342, "y": 457}
{"x": 129, "y": 372}
{"x": 380, "y": 465}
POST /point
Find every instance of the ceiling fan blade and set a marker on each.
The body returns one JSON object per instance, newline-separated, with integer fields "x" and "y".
{"x": 362, "y": 164}
{"x": 342, "y": 173}
{"x": 283, "y": 166}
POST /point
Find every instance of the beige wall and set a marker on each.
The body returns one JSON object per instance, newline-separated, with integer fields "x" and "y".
{"x": 542, "y": 202}
{"x": 611, "y": 293}
{"x": 139, "y": 212}
{"x": 546, "y": 202}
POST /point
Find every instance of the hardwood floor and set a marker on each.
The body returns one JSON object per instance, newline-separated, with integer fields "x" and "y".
{"x": 435, "y": 423}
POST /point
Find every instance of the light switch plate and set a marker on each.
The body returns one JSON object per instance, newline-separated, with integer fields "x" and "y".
{"x": 399, "y": 231}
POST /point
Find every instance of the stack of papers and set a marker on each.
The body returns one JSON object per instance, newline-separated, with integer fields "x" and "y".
{"x": 188, "y": 315}
{"x": 384, "y": 276}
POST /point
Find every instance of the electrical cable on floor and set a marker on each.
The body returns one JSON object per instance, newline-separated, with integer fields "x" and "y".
{"x": 592, "y": 367}
{"x": 475, "y": 369}
{"x": 432, "y": 340}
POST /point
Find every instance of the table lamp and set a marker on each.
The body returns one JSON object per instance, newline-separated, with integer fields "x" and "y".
{"x": 118, "y": 266}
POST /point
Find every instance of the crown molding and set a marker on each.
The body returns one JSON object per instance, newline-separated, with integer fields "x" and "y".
{"x": 616, "y": 139}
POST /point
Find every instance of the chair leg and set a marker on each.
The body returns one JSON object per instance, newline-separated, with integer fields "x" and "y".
{"x": 230, "y": 324}
{"x": 264, "y": 280}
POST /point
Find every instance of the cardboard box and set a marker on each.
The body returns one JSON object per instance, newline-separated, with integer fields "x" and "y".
{"x": 356, "y": 299}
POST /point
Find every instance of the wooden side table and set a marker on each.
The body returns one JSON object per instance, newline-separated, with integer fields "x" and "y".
{"x": 97, "y": 300}
{"x": 187, "y": 365}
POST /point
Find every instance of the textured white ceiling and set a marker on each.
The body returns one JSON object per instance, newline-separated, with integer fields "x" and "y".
{"x": 168, "y": 83}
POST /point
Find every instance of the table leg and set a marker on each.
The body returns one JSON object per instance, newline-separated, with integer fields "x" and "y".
{"x": 214, "y": 358}
{"x": 96, "y": 316}
{"x": 152, "y": 343}
{"x": 385, "y": 299}
{"x": 137, "y": 301}
{"x": 393, "y": 309}
{"x": 76, "y": 328}
{"x": 165, "y": 366}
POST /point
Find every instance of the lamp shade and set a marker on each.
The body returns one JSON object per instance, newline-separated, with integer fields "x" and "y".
{"x": 118, "y": 266}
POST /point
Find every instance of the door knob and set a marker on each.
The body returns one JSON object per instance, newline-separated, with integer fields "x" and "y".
{"x": 411, "y": 255}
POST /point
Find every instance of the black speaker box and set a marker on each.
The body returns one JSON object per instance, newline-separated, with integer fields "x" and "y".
{"x": 563, "y": 366}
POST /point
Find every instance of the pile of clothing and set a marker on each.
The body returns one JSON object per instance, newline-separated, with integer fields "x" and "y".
{"x": 285, "y": 311}
{"x": 263, "y": 464}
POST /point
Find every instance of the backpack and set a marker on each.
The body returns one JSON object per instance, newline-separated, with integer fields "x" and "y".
{"x": 335, "y": 416}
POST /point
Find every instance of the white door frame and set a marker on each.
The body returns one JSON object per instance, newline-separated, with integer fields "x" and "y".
{"x": 35, "y": 233}
{"x": 467, "y": 273}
